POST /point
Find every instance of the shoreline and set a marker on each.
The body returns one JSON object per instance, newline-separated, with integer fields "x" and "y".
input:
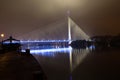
{"x": 14, "y": 66}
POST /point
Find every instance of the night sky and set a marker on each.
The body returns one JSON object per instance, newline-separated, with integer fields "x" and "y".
{"x": 95, "y": 17}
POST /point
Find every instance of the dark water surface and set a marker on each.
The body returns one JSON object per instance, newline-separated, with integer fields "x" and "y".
{"x": 82, "y": 64}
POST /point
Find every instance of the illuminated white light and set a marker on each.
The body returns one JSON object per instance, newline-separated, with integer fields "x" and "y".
{"x": 2, "y": 35}
{"x": 69, "y": 29}
{"x": 8, "y": 42}
{"x": 22, "y": 50}
{"x": 45, "y": 41}
{"x": 51, "y": 50}
{"x": 92, "y": 47}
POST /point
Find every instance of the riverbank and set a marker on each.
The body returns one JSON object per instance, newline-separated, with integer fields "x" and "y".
{"x": 14, "y": 66}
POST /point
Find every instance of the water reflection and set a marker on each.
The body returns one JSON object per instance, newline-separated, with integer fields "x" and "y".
{"x": 78, "y": 56}
{"x": 60, "y": 62}
{"x": 51, "y": 52}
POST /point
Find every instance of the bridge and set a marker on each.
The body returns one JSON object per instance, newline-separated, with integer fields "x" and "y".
{"x": 62, "y": 34}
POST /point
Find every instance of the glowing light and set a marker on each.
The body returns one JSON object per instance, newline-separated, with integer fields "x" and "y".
{"x": 69, "y": 29}
{"x": 8, "y": 42}
{"x": 2, "y": 35}
{"x": 92, "y": 47}
{"x": 51, "y": 50}
{"x": 45, "y": 41}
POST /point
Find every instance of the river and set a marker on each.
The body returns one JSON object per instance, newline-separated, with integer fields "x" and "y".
{"x": 79, "y": 64}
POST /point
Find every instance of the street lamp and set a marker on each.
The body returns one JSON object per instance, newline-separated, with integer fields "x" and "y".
{"x": 2, "y": 35}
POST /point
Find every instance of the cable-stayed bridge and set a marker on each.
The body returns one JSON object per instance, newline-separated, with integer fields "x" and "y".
{"x": 61, "y": 33}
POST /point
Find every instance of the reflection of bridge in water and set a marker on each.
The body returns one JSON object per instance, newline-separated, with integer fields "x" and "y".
{"x": 77, "y": 56}
{"x": 74, "y": 57}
